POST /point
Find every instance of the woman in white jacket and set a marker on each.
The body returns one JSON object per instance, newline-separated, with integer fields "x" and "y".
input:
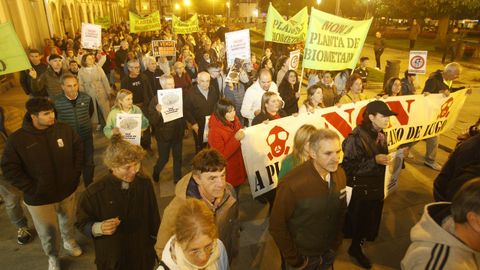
{"x": 93, "y": 81}
{"x": 195, "y": 244}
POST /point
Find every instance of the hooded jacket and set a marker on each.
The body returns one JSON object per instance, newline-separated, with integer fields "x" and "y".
{"x": 435, "y": 83}
{"x": 226, "y": 215}
{"x": 434, "y": 244}
{"x": 44, "y": 164}
{"x": 47, "y": 84}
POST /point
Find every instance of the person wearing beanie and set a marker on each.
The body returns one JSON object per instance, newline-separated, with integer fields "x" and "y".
{"x": 48, "y": 83}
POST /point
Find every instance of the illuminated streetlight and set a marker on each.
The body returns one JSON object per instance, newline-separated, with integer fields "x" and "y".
{"x": 213, "y": 7}
{"x": 255, "y": 12}
{"x": 186, "y": 3}
{"x": 319, "y": 2}
{"x": 177, "y": 6}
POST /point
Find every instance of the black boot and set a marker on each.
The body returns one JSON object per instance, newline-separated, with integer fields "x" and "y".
{"x": 356, "y": 252}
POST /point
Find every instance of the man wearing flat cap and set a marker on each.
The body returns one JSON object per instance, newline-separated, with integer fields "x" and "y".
{"x": 48, "y": 84}
{"x": 365, "y": 160}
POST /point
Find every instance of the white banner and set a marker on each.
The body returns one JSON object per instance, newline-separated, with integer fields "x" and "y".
{"x": 91, "y": 36}
{"x": 392, "y": 172}
{"x": 419, "y": 117}
{"x": 237, "y": 46}
{"x": 294, "y": 60}
{"x": 417, "y": 62}
{"x": 172, "y": 103}
{"x": 130, "y": 126}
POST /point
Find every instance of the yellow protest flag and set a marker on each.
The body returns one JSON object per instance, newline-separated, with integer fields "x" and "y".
{"x": 280, "y": 30}
{"x": 103, "y": 21}
{"x": 144, "y": 24}
{"x": 12, "y": 58}
{"x": 185, "y": 27}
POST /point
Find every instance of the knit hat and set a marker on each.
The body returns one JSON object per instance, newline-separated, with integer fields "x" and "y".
{"x": 54, "y": 56}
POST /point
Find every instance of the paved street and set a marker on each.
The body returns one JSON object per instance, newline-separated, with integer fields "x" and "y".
{"x": 402, "y": 209}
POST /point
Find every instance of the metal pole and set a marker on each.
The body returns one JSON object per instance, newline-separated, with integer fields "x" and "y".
{"x": 337, "y": 8}
{"x": 301, "y": 80}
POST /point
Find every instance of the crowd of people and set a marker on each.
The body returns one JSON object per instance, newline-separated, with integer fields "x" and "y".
{"x": 74, "y": 93}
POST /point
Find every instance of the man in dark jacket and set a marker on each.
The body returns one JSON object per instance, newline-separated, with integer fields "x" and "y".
{"x": 153, "y": 73}
{"x": 199, "y": 103}
{"x": 439, "y": 82}
{"x": 169, "y": 135}
{"x": 48, "y": 84}
{"x": 408, "y": 86}
{"x": 120, "y": 57}
{"x": 76, "y": 109}
{"x": 37, "y": 65}
{"x": 44, "y": 160}
{"x": 310, "y": 205}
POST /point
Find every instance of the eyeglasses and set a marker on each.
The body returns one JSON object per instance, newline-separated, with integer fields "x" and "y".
{"x": 207, "y": 250}
{"x": 134, "y": 67}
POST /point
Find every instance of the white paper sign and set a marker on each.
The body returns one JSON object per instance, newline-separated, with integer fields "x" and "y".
{"x": 237, "y": 46}
{"x": 392, "y": 172}
{"x": 130, "y": 126}
{"x": 417, "y": 62}
{"x": 91, "y": 36}
{"x": 294, "y": 60}
{"x": 171, "y": 101}
{"x": 205, "y": 130}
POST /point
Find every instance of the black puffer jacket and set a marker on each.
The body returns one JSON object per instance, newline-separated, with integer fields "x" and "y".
{"x": 44, "y": 164}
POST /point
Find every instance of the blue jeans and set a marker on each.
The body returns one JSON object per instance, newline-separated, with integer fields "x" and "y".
{"x": 164, "y": 154}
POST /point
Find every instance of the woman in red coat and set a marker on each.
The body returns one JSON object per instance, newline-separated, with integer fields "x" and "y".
{"x": 224, "y": 135}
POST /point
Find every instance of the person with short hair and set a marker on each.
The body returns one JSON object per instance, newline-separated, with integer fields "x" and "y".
{"x": 408, "y": 83}
{"x": 181, "y": 77}
{"x": 314, "y": 100}
{"x": 378, "y": 48}
{"x": 195, "y": 244}
{"x": 153, "y": 73}
{"x": 120, "y": 211}
{"x": 310, "y": 205}
{"x": 330, "y": 96}
{"x": 447, "y": 235}
{"x": 44, "y": 159}
{"x": 206, "y": 182}
{"x": 217, "y": 78}
{"x": 413, "y": 34}
{"x": 73, "y": 67}
{"x": 39, "y": 67}
{"x": 362, "y": 71}
{"x": 48, "y": 83}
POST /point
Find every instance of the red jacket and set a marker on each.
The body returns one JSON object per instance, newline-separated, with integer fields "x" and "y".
{"x": 222, "y": 138}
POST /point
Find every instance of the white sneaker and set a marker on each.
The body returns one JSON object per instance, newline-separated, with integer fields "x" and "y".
{"x": 433, "y": 165}
{"x": 72, "y": 248}
{"x": 53, "y": 263}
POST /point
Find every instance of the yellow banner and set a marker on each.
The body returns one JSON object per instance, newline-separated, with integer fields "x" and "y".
{"x": 185, "y": 27}
{"x": 144, "y": 24}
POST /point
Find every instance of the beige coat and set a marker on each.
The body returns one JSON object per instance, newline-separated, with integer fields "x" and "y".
{"x": 94, "y": 82}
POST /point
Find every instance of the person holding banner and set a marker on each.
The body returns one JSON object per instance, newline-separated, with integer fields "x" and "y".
{"x": 225, "y": 134}
{"x": 123, "y": 104}
{"x": 288, "y": 90}
{"x": 354, "y": 87}
{"x": 330, "y": 96}
{"x": 271, "y": 109}
{"x": 365, "y": 160}
{"x": 314, "y": 101}
{"x": 392, "y": 88}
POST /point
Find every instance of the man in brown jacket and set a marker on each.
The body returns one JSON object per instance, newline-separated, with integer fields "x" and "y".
{"x": 206, "y": 182}
{"x": 309, "y": 209}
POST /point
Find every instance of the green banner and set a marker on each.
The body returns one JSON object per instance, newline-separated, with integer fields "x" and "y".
{"x": 13, "y": 58}
{"x": 280, "y": 30}
{"x": 185, "y": 27}
{"x": 104, "y": 22}
{"x": 333, "y": 43}
{"x": 144, "y": 24}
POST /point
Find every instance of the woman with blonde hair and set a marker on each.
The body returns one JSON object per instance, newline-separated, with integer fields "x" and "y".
{"x": 195, "y": 244}
{"x": 120, "y": 211}
{"x": 123, "y": 104}
{"x": 314, "y": 99}
{"x": 271, "y": 108}
{"x": 300, "y": 150}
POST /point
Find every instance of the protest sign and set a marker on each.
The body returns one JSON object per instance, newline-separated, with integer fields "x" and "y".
{"x": 392, "y": 171}
{"x": 104, "y": 22}
{"x": 233, "y": 75}
{"x": 144, "y": 24}
{"x": 130, "y": 126}
{"x": 185, "y": 27}
{"x": 91, "y": 36}
{"x": 237, "y": 46}
{"x": 419, "y": 117}
{"x": 172, "y": 103}
{"x": 13, "y": 57}
{"x": 333, "y": 43}
{"x": 417, "y": 62}
{"x": 163, "y": 48}
{"x": 294, "y": 60}
{"x": 280, "y": 30}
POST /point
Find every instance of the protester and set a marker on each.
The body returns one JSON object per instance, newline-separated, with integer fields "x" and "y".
{"x": 413, "y": 34}
{"x": 200, "y": 103}
{"x": 76, "y": 109}
{"x": 310, "y": 206}
{"x": 300, "y": 152}
{"x": 48, "y": 83}
{"x": 235, "y": 92}
{"x": 49, "y": 183}
{"x": 281, "y": 69}
{"x": 217, "y": 79}
{"x": 452, "y": 43}
{"x": 121, "y": 57}
{"x": 252, "y": 105}
{"x": 195, "y": 244}
{"x": 314, "y": 100}
{"x": 354, "y": 88}
{"x": 182, "y": 79}
{"x": 365, "y": 159}
{"x": 314, "y": 77}
{"x": 153, "y": 73}
{"x": 447, "y": 234}
{"x": 289, "y": 91}
{"x": 268, "y": 65}
{"x": 392, "y": 88}
{"x": 408, "y": 83}
{"x": 378, "y": 48}
{"x": 362, "y": 71}
{"x": 340, "y": 82}
{"x": 74, "y": 67}
{"x": 39, "y": 67}
{"x": 120, "y": 211}
{"x": 206, "y": 182}
{"x": 169, "y": 135}
{"x": 191, "y": 68}
{"x": 93, "y": 81}
{"x": 268, "y": 55}
{"x": 164, "y": 65}
{"x": 271, "y": 109}
{"x": 123, "y": 104}
{"x": 225, "y": 133}
{"x": 205, "y": 60}
{"x": 330, "y": 96}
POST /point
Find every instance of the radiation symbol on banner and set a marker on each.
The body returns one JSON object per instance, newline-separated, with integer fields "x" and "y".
{"x": 417, "y": 62}
{"x": 294, "y": 61}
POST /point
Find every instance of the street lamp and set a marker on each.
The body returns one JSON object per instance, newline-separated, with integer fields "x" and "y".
{"x": 177, "y": 7}
{"x": 186, "y": 4}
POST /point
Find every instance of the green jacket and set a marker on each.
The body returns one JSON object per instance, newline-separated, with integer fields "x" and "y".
{"x": 112, "y": 120}
{"x": 288, "y": 164}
